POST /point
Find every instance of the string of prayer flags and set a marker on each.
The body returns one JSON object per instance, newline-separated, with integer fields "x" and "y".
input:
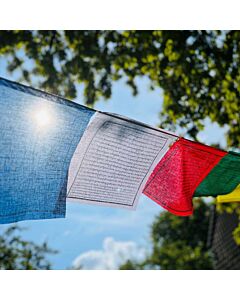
{"x": 223, "y": 178}
{"x": 176, "y": 177}
{"x": 234, "y": 196}
{"x": 38, "y": 136}
{"x": 114, "y": 160}
{"x": 53, "y": 150}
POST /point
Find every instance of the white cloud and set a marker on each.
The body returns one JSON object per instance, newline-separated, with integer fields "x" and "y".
{"x": 112, "y": 255}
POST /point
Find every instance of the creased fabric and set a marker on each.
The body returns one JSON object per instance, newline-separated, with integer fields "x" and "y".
{"x": 114, "y": 159}
{"x": 234, "y": 196}
{"x": 223, "y": 178}
{"x": 175, "y": 178}
{"x": 39, "y": 133}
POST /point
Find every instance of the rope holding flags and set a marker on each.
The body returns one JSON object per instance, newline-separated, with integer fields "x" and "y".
{"x": 53, "y": 150}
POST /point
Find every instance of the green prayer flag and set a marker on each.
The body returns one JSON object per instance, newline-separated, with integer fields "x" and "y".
{"x": 223, "y": 178}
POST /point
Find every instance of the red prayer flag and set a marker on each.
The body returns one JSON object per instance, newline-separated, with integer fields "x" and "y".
{"x": 175, "y": 178}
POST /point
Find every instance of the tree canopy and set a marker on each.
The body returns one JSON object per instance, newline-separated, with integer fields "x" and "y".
{"x": 19, "y": 254}
{"x": 178, "y": 243}
{"x": 197, "y": 70}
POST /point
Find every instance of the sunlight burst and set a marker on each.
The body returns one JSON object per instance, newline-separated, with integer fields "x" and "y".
{"x": 42, "y": 117}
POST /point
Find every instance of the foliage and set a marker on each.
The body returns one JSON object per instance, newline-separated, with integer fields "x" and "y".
{"x": 178, "y": 243}
{"x": 197, "y": 70}
{"x": 18, "y": 254}
{"x": 236, "y": 235}
{"x": 231, "y": 208}
{"x": 131, "y": 265}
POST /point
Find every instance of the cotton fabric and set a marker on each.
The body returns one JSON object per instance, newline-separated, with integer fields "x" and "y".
{"x": 234, "y": 196}
{"x": 223, "y": 178}
{"x": 175, "y": 178}
{"x": 114, "y": 159}
{"x": 39, "y": 133}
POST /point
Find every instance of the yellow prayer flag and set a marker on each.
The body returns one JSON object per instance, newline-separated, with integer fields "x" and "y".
{"x": 234, "y": 196}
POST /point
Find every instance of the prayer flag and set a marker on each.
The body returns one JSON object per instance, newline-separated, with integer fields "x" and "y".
{"x": 177, "y": 175}
{"x": 223, "y": 178}
{"x": 234, "y": 196}
{"x": 114, "y": 159}
{"x": 52, "y": 149}
{"x": 39, "y": 133}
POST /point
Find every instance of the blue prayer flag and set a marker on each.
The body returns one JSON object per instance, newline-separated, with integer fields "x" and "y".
{"x": 39, "y": 133}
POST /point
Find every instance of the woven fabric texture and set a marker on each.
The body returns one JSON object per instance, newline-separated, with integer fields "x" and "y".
{"x": 234, "y": 196}
{"x": 39, "y": 133}
{"x": 113, "y": 161}
{"x": 223, "y": 178}
{"x": 177, "y": 175}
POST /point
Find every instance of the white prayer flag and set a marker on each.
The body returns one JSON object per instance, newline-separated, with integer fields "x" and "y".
{"x": 114, "y": 159}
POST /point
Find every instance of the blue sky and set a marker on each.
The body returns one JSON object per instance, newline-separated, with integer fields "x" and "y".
{"x": 100, "y": 234}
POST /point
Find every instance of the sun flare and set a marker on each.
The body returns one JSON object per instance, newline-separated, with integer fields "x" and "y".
{"x": 42, "y": 117}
